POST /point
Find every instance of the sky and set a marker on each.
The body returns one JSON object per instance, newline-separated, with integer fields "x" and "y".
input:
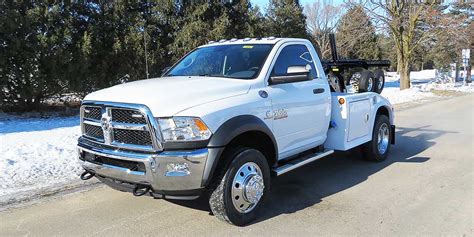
{"x": 262, "y": 4}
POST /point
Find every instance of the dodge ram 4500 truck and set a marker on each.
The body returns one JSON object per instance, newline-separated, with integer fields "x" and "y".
{"x": 223, "y": 121}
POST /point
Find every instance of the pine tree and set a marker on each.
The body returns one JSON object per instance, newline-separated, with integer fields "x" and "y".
{"x": 356, "y": 37}
{"x": 285, "y": 18}
{"x": 204, "y": 21}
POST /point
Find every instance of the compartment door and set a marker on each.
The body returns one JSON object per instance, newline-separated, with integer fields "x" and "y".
{"x": 359, "y": 126}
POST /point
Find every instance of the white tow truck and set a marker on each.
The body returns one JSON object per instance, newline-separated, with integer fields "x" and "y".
{"x": 223, "y": 121}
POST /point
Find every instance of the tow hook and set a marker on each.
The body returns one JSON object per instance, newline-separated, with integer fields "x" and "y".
{"x": 140, "y": 190}
{"x": 87, "y": 175}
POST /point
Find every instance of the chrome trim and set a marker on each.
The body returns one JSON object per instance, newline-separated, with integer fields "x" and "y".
{"x": 289, "y": 167}
{"x": 152, "y": 126}
{"x": 155, "y": 167}
{"x": 124, "y": 169}
{"x": 131, "y": 146}
{"x": 91, "y": 122}
{"x": 116, "y": 154}
{"x": 129, "y": 126}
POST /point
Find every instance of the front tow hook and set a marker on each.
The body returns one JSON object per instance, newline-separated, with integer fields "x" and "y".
{"x": 87, "y": 175}
{"x": 140, "y": 190}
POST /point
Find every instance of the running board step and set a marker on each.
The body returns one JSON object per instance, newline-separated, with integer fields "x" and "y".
{"x": 301, "y": 161}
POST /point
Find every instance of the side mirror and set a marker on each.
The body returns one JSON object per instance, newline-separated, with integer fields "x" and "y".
{"x": 293, "y": 74}
{"x": 165, "y": 70}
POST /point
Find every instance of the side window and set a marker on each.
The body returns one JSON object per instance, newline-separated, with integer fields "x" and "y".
{"x": 293, "y": 55}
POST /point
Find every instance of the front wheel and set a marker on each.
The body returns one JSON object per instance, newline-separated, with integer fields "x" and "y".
{"x": 243, "y": 188}
{"x": 377, "y": 149}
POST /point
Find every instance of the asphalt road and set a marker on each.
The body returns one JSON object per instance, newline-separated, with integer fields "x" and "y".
{"x": 424, "y": 188}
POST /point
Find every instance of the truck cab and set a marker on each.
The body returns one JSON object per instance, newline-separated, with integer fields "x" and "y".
{"x": 223, "y": 121}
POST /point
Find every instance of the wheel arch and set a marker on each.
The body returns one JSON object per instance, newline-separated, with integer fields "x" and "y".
{"x": 381, "y": 109}
{"x": 385, "y": 110}
{"x": 246, "y": 131}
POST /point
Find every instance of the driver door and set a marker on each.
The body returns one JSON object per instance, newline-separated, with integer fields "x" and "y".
{"x": 300, "y": 109}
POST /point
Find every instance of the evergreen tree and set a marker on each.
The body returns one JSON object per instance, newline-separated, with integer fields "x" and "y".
{"x": 285, "y": 18}
{"x": 356, "y": 37}
{"x": 34, "y": 44}
{"x": 204, "y": 21}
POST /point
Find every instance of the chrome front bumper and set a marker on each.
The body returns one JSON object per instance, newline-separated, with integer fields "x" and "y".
{"x": 159, "y": 171}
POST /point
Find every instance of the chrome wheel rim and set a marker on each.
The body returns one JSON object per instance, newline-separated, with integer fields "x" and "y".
{"x": 382, "y": 138}
{"x": 370, "y": 84}
{"x": 247, "y": 187}
{"x": 380, "y": 84}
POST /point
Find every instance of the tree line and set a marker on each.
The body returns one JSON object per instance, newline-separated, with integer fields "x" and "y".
{"x": 50, "y": 48}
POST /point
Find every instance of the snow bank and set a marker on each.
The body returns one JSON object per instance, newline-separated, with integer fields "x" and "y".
{"x": 36, "y": 156}
{"x": 422, "y": 84}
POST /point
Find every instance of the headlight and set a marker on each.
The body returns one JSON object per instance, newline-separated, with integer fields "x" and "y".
{"x": 177, "y": 129}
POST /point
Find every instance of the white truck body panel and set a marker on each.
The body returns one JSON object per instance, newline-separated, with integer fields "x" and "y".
{"x": 352, "y": 122}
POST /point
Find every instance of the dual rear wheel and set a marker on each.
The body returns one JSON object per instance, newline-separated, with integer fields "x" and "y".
{"x": 368, "y": 81}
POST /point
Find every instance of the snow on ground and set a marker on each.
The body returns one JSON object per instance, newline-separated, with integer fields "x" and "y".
{"x": 38, "y": 155}
{"x": 422, "y": 83}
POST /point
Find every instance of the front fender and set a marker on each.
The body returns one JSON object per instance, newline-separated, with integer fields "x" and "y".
{"x": 226, "y": 133}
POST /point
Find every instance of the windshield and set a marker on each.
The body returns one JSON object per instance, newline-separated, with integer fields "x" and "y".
{"x": 242, "y": 61}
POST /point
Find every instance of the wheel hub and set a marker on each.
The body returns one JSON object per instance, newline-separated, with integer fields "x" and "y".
{"x": 370, "y": 84}
{"x": 247, "y": 187}
{"x": 380, "y": 84}
{"x": 254, "y": 189}
{"x": 383, "y": 138}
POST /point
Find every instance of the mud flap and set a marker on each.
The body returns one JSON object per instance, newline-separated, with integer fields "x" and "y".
{"x": 392, "y": 134}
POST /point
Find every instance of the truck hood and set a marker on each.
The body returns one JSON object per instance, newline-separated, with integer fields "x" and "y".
{"x": 169, "y": 95}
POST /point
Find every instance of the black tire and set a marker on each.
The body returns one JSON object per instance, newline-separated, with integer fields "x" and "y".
{"x": 367, "y": 81}
{"x": 371, "y": 149}
{"x": 220, "y": 200}
{"x": 379, "y": 80}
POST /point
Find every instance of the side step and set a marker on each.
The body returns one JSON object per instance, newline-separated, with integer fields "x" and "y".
{"x": 301, "y": 161}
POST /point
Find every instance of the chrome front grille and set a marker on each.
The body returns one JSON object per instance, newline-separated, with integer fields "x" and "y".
{"x": 132, "y": 137}
{"x": 126, "y": 126}
{"x": 92, "y": 112}
{"x": 128, "y": 116}
{"x": 93, "y": 131}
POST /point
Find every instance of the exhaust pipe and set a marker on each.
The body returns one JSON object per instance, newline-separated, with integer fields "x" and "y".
{"x": 87, "y": 175}
{"x": 140, "y": 190}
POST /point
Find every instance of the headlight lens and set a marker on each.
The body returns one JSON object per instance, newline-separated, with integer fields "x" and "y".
{"x": 177, "y": 129}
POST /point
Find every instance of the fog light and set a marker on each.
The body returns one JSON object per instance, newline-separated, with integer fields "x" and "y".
{"x": 177, "y": 169}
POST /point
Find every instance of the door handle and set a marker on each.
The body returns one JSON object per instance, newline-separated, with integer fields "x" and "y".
{"x": 318, "y": 91}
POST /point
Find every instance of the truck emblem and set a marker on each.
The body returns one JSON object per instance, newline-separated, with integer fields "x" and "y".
{"x": 268, "y": 114}
{"x": 280, "y": 114}
{"x": 263, "y": 94}
{"x": 106, "y": 128}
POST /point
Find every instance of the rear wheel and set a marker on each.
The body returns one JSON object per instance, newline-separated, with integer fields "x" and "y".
{"x": 243, "y": 188}
{"x": 379, "y": 80}
{"x": 367, "y": 81}
{"x": 377, "y": 149}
